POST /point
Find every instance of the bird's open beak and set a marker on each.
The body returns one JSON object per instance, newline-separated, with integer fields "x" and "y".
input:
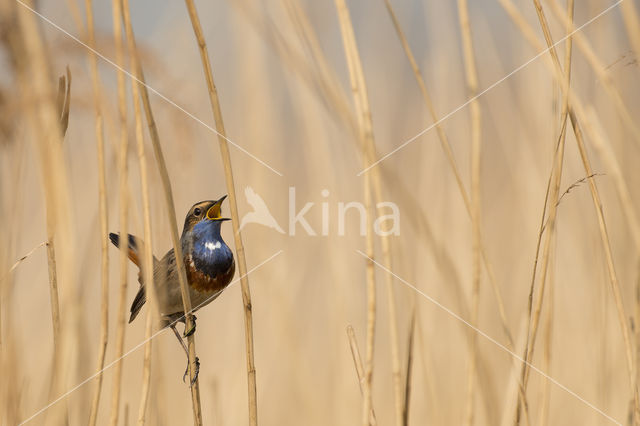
{"x": 214, "y": 212}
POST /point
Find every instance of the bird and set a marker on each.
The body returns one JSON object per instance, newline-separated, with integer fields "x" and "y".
{"x": 209, "y": 266}
{"x": 260, "y": 213}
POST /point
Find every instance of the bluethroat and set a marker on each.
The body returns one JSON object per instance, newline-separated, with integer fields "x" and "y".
{"x": 208, "y": 262}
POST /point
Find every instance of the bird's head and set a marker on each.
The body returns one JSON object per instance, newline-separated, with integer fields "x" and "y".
{"x": 205, "y": 212}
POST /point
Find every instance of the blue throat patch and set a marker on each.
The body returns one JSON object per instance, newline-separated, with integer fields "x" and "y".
{"x": 209, "y": 252}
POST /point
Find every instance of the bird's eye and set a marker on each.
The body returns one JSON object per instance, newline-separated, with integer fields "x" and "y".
{"x": 197, "y": 211}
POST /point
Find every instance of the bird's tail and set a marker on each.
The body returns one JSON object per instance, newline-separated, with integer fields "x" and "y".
{"x": 134, "y": 247}
{"x": 134, "y": 253}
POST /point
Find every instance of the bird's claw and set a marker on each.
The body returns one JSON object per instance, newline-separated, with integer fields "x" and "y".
{"x": 195, "y": 376}
{"x": 192, "y": 329}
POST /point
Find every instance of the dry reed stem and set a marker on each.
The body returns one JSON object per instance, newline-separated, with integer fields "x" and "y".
{"x": 146, "y": 370}
{"x": 10, "y": 391}
{"x": 584, "y": 46}
{"x": 103, "y": 208}
{"x": 637, "y": 328}
{"x": 389, "y": 281}
{"x": 442, "y": 136}
{"x": 552, "y": 194}
{"x": 603, "y": 148}
{"x": 147, "y": 258}
{"x": 228, "y": 172}
{"x": 599, "y": 68}
{"x": 546, "y": 366}
{"x": 326, "y": 80}
{"x": 76, "y": 15}
{"x": 613, "y": 278}
{"x": 45, "y": 120}
{"x": 308, "y": 37}
{"x": 363, "y": 116}
{"x": 446, "y": 147}
{"x": 531, "y": 37}
{"x": 631, "y": 23}
{"x": 376, "y": 184}
{"x": 169, "y": 205}
{"x": 319, "y": 76}
{"x": 124, "y": 220}
{"x": 357, "y": 362}
{"x": 476, "y": 145}
{"x": 433, "y": 396}
{"x": 444, "y": 262}
{"x": 534, "y": 315}
{"x": 53, "y": 289}
{"x": 575, "y": 111}
{"x": 408, "y": 369}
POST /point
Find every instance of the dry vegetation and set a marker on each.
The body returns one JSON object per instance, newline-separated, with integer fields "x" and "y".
{"x": 519, "y": 232}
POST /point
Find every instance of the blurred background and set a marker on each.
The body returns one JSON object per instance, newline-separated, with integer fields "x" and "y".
{"x": 283, "y": 81}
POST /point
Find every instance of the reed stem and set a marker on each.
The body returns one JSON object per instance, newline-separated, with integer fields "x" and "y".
{"x": 476, "y": 145}
{"x": 228, "y": 173}
{"x": 124, "y": 217}
{"x": 363, "y": 117}
{"x": 169, "y": 205}
{"x": 103, "y": 209}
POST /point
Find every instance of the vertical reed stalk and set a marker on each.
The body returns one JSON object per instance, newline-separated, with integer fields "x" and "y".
{"x": 584, "y": 46}
{"x": 103, "y": 208}
{"x": 409, "y": 369}
{"x": 613, "y": 278}
{"x": 368, "y": 149}
{"x": 357, "y": 362}
{"x": 326, "y": 82}
{"x": 631, "y": 23}
{"x": 123, "y": 221}
{"x": 375, "y": 185}
{"x": 363, "y": 116}
{"x": 228, "y": 173}
{"x": 637, "y": 328}
{"x": 548, "y": 340}
{"x": 169, "y": 204}
{"x": 551, "y": 201}
{"x": 476, "y": 141}
{"x": 446, "y": 147}
{"x": 398, "y": 387}
{"x": 432, "y": 397}
{"x": 146, "y": 370}
{"x": 603, "y": 148}
{"x": 599, "y": 68}
{"x": 147, "y": 261}
{"x": 325, "y": 78}
{"x": 53, "y": 285}
{"x": 48, "y": 135}
{"x": 576, "y": 110}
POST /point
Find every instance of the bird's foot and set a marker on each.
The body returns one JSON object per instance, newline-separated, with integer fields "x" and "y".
{"x": 192, "y": 329}
{"x": 195, "y": 376}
